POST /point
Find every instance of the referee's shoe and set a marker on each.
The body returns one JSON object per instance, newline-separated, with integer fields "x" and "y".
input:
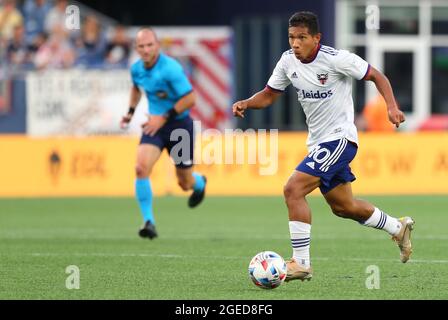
{"x": 148, "y": 231}
{"x": 197, "y": 196}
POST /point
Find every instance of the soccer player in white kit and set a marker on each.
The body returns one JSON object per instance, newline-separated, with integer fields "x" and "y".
{"x": 321, "y": 75}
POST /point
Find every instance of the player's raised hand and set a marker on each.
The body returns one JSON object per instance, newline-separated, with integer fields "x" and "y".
{"x": 239, "y": 108}
{"x": 124, "y": 123}
{"x": 153, "y": 125}
{"x": 396, "y": 116}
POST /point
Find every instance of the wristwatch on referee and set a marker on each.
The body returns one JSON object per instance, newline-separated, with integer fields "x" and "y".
{"x": 131, "y": 111}
{"x": 171, "y": 114}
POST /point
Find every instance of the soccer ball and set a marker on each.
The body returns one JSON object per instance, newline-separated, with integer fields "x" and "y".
{"x": 267, "y": 270}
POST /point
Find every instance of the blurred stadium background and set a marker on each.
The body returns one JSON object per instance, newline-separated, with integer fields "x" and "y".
{"x": 63, "y": 92}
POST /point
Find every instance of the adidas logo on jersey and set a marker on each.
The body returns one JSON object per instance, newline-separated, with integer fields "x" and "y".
{"x": 317, "y": 94}
{"x": 294, "y": 76}
{"x": 310, "y": 164}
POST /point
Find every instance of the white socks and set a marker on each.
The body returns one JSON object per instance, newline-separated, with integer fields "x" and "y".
{"x": 300, "y": 241}
{"x": 300, "y": 234}
{"x": 380, "y": 220}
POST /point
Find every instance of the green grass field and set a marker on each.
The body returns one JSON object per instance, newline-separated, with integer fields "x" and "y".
{"x": 204, "y": 253}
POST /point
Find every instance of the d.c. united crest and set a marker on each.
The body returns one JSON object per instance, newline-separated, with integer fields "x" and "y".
{"x": 322, "y": 77}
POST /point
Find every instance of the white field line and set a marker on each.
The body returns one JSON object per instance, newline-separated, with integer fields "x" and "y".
{"x": 179, "y": 256}
{"x": 225, "y": 235}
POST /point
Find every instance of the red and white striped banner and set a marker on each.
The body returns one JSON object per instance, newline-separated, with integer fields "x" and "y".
{"x": 206, "y": 56}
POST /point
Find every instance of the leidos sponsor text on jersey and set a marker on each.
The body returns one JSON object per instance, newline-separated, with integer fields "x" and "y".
{"x": 316, "y": 94}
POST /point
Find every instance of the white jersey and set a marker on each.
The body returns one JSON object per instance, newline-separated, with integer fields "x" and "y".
{"x": 324, "y": 89}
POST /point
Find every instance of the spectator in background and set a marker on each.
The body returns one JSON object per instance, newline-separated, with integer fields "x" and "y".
{"x": 56, "y": 53}
{"x": 90, "y": 44}
{"x": 35, "y": 13}
{"x": 38, "y": 42}
{"x": 55, "y": 20}
{"x": 118, "y": 49}
{"x": 17, "y": 52}
{"x": 10, "y": 17}
{"x": 374, "y": 116}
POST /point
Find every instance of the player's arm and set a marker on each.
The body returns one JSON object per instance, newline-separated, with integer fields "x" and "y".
{"x": 183, "y": 104}
{"x": 154, "y": 123}
{"x": 260, "y": 100}
{"x": 135, "y": 97}
{"x": 382, "y": 83}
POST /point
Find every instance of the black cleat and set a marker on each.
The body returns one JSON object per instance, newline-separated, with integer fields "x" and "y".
{"x": 197, "y": 196}
{"x": 148, "y": 231}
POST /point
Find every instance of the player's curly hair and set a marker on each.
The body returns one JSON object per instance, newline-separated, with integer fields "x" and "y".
{"x": 305, "y": 19}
